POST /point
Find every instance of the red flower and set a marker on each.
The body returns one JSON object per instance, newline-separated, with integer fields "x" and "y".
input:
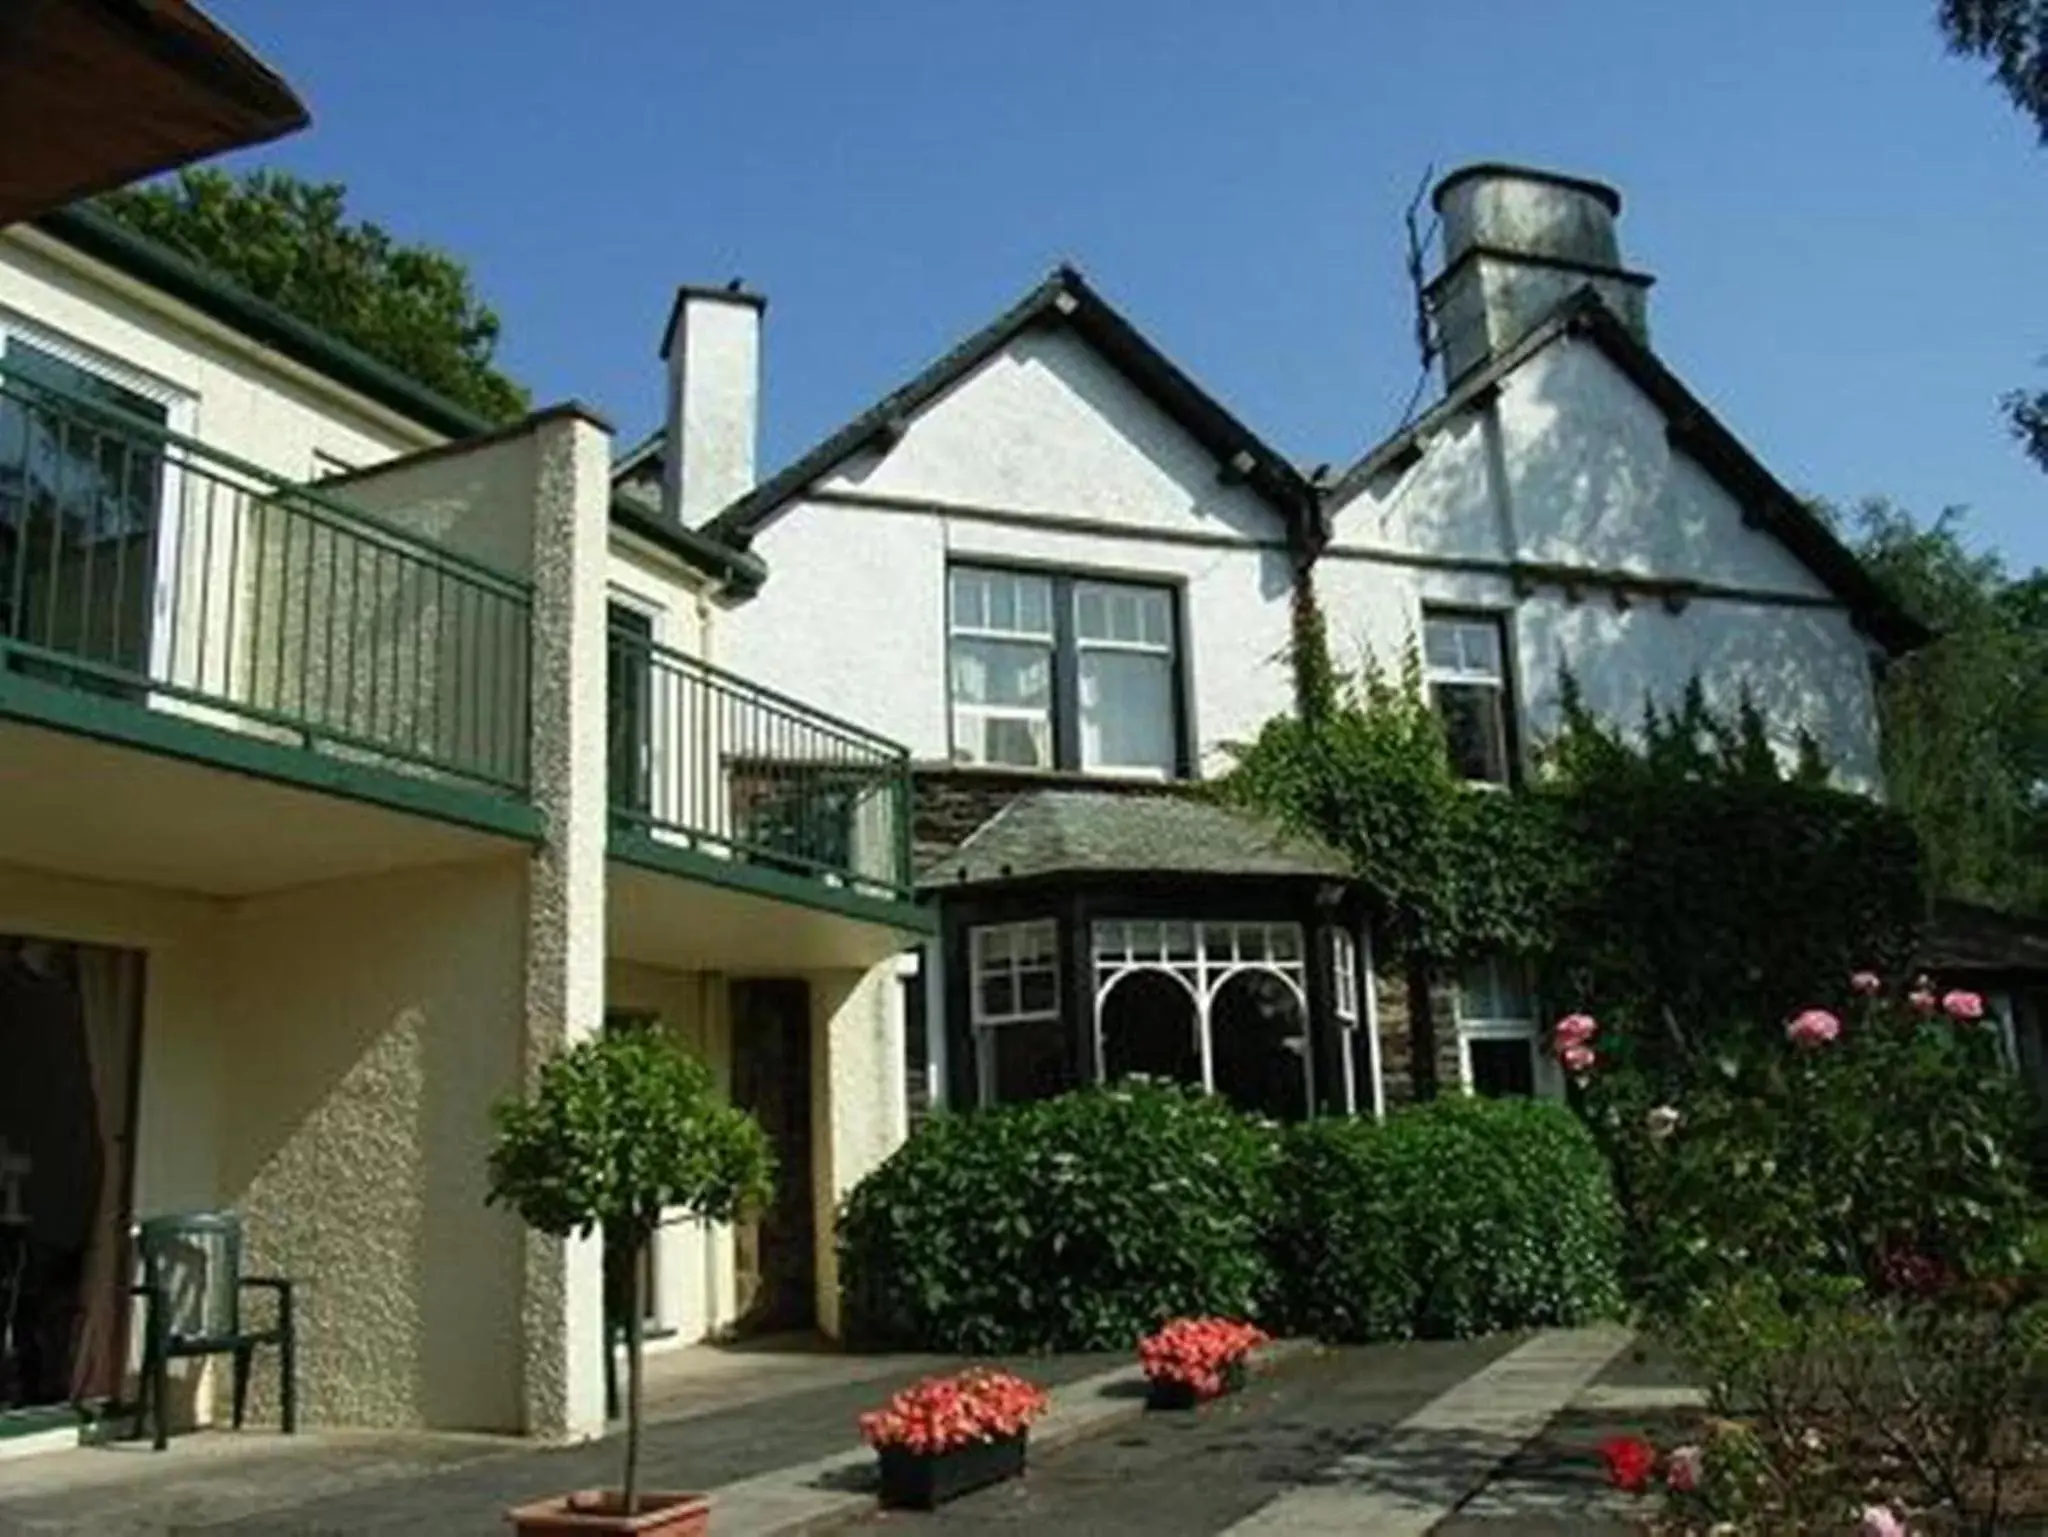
{"x": 1629, "y": 1461}
{"x": 940, "y": 1413}
{"x": 1197, "y": 1351}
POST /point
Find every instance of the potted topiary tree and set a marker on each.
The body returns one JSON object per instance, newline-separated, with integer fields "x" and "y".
{"x": 620, "y": 1129}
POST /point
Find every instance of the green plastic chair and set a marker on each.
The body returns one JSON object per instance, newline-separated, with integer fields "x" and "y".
{"x": 192, "y": 1285}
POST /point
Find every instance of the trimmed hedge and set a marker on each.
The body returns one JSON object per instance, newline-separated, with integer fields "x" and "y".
{"x": 1075, "y": 1223}
{"x": 1454, "y": 1218}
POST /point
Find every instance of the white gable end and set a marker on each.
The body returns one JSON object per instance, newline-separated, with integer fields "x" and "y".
{"x": 1047, "y": 428}
{"x": 1594, "y": 482}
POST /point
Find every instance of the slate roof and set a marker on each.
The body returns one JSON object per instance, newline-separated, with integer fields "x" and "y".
{"x": 1093, "y": 832}
{"x": 1966, "y": 937}
{"x": 1698, "y": 431}
{"x": 1064, "y": 298}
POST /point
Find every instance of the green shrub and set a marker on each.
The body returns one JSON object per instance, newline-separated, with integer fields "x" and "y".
{"x": 1449, "y": 1219}
{"x": 1075, "y": 1223}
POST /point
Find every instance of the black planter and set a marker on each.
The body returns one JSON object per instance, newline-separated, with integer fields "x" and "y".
{"x": 916, "y": 1481}
{"x": 1163, "y": 1394}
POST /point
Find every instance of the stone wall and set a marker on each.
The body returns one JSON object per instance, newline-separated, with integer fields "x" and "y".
{"x": 1396, "y": 1046}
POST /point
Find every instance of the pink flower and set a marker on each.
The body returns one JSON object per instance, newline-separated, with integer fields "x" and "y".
{"x": 1815, "y": 1027}
{"x": 1880, "y": 1521}
{"x": 1578, "y": 1059}
{"x": 1923, "y": 1000}
{"x": 1961, "y": 1005}
{"x": 1682, "y": 1470}
{"x": 1662, "y": 1121}
{"x": 1573, "y": 1029}
{"x": 1866, "y": 983}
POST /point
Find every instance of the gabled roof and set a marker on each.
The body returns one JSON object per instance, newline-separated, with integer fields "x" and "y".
{"x": 1064, "y": 298}
{"x": 1695, "y": 429}
{"x": 1098, "y": 832}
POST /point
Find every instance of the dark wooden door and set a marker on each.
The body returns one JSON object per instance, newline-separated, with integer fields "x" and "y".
{"x": 771, "y": 1078}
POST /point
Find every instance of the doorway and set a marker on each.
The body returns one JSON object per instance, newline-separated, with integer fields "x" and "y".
{"x": 777, "y": 1254}
{"x": 70, "y": 1031}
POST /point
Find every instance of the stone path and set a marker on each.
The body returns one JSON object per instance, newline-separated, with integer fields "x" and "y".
{"x": 1481, "y": 1438}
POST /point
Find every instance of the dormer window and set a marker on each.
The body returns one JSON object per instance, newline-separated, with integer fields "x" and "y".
{"x": 1057, "y": 671}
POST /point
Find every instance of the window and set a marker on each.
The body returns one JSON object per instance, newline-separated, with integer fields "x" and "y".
{"x": 1344, "y": 960}
{"x": 1499, "y": 1042}
{"x": 1465, "y": 664}
{"x": 629, "y": 684}
{"x": 1002, "y": 659}
{"x": 1058, "y": 671}
{"x": 1021, "y": 1046}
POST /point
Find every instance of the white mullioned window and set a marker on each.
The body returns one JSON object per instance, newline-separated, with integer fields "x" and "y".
{"x": 1500, "y": 1038}
{"x": 1000, "y": 626}
{"x": 1021, "y": 1047}
{"x": 1124, "y": 636}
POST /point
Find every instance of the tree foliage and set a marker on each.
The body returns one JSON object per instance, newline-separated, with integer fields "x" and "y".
{"x": 291, "y": 242}
{"x": 1966, "y": 718}
{"x": 2012, "y": 37}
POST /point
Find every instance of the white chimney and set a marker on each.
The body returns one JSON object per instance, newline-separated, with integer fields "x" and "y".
{"x": 713, "y": 351}
{"x": 1516, "y": 242}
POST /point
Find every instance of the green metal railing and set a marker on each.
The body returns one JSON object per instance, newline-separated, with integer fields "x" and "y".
{"x": 145, "y": 567}
{"x": 704, "y": 759}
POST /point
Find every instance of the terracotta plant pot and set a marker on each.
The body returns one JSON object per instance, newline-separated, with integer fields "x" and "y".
{"x": 590, "y": 1511}
{"x": 1171, "y": 1393}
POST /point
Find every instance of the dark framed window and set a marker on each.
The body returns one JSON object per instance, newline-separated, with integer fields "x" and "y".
{"x": 1052, "y": 670}
{"x": 1465, "y": 665}
{"x": 629, "y": 687}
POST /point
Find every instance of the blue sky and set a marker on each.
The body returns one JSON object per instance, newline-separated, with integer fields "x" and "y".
{"x": 1847, "y": 226}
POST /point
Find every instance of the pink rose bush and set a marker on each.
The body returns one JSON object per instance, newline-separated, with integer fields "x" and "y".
{"x": 1961, "y": 1005}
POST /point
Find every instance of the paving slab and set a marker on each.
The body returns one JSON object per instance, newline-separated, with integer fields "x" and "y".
{"x": 413, "y": 1486}
{"x": 1195, "y": 1474}
{"x": 1416, "y": 1476}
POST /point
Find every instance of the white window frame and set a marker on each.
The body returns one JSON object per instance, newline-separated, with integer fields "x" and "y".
{"x": 1500, "y": 680}
{"x": 986, "y": 1024}
{"x": 1278, "y": 950}
{"x": 181, "y": 417}
{"x": 1064, "y": 649}
{"x": 1344, "y": 1005}
{"x": 1547, "y": 1081}
{"x": 959, "y": 714}
{"x": 1167, "y": 652}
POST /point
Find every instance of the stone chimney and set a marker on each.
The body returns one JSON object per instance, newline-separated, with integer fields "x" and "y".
{"x": 713, "y": 351}
{"x": 1516, "y": 242}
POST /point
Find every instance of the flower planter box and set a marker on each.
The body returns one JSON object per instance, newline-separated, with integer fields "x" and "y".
{"x": 1170, "y": 1393}
{"x": 597, "y": 1511}
{"x": 924, "y": 1481}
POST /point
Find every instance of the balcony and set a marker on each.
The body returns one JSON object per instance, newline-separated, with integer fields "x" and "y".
{"x": 714, "y": 776}
{"x": 158, "y": 593}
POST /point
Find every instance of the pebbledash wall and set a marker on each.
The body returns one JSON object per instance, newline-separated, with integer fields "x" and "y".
{"x": 1047, "y": 457}
{"x": 1569, "y": 466}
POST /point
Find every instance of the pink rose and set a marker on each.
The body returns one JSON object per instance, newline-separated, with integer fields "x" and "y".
{"x": 1867, "y": 983}
{"x": 1961, "y": 1005}
{"x": 1923, "y": 1001}
{"x": 1574, "y": 1030}
{"x": 1682, "y": 1470}
{"x": 1578, "y": 1059}
{"x": 1880, "y": 1521}
{"x": 1815, "y": 1027}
